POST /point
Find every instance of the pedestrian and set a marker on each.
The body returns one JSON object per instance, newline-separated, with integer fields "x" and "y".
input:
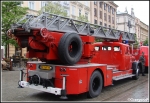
{"x": 142, "y": 61}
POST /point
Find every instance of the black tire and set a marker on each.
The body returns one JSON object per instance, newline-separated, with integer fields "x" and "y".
{"x": 137, "y": 73}
{"x": 146, "y": 69}
{"x": 95, "y": 85}
{"x": 73, "y": 54}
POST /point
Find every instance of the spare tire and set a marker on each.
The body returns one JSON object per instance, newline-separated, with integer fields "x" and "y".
{"x": 70, "y": 48}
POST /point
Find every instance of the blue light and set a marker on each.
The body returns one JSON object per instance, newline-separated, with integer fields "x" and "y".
{"x": 126, "y": 42}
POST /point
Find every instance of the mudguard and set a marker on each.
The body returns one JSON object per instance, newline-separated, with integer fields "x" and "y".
{"x": 134, "y": 65}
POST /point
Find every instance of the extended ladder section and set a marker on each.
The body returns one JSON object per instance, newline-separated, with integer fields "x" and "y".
{"x": 58, "y": 23}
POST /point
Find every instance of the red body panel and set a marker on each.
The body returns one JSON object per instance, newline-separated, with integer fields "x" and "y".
{"x": 109, "y": 77}
{"x": 138, "y": 51}
{"x": 78, "y": 79}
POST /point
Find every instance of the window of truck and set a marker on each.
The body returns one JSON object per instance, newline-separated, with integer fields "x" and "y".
{"x": 116, "y": 48}
{"x": 106, "y": 48}
{"x": 97, "y": 48}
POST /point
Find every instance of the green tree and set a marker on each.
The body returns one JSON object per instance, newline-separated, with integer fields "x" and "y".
{"x": 146, "y": 42}
{"x": 54, "y": 8}
{"x": 98, "y": 40}
{"x": 11, "y": 13}
{"x": 135, "y": 45}
{"x": 82, "y": 18}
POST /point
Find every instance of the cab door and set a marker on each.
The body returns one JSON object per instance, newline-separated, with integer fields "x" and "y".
{"x": 127, "y": 58}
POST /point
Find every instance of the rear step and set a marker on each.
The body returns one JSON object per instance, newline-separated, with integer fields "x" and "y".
{"x": 123, "y": 76}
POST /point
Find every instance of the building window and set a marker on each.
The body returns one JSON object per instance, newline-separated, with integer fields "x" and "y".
{"x": 31, "y": 5}
{"x": 108, "y": 8}
{"x": 100, "y": 14}
{"x": 105, "y": 16}
{"x": 105, "y": 25}
{"x": 100, "y": 4}
{"x": 95, "y": 2}
{"x": 113, "y": 10}
{"x": 105, "y": 6}
{"x": 43, "y": 3}
{"x": 86, "y": 3}
{"x": 95, "y": 21}
{"x": 101, "y": 23}
{"x": 66, "y": 3}
{"x": 79, "y": 12}
{"x": 109, "y": 18}
{"x": 95, "y": 12}
{"x": 86, "y": 15}
{"x": 73, "y": 10}
{"x": 113, "y": 20}
{"x": 109, "y": 26}
{"x": 117, "y": 20}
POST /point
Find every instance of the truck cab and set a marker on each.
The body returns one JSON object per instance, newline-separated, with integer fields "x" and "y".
{"x": 113, "y": 53}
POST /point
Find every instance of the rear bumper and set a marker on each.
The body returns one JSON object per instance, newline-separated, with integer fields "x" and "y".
{"x": 56, "y": 91}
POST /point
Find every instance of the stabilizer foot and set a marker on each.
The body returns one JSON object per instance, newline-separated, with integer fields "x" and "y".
{"x": 20, "y": 86}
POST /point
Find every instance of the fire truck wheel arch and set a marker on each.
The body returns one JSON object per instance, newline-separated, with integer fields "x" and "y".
{"x": 95, "y": 84}
{"x": 136, "y": 70}
{"x": 70, "y": 48}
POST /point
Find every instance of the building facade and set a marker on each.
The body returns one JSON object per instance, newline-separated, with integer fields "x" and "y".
{"x": 103, "y": 13}
{"x": 34, "y": 6}
{"x": 137, "y": 26}
{"x": 137, "y": 29}
{"x": 78, "y": 8}
{"x": 122, "y": 22}
{"x": 144, "y": 31}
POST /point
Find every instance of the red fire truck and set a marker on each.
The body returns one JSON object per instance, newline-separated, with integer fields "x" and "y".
{"x": 71, "y": 61}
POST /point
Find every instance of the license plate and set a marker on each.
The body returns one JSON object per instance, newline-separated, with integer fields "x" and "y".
{"x": 45, "y": 67}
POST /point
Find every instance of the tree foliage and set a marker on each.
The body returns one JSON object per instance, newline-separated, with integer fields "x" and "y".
{"x": 136, "y": 44}
{"x": 11, "y": 13}
{"x": 54, "y": 8}
{"x": 145, "y": 43}
{"x": 99, "y": 40}
{"x": 82, "y": 18}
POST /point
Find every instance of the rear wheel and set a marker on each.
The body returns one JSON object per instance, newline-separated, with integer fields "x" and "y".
{"x": 95, "y": 85}
{"x": 146, "y": 69}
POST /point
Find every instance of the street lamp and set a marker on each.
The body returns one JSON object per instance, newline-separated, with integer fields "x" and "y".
{"x": 129, "y": 25}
